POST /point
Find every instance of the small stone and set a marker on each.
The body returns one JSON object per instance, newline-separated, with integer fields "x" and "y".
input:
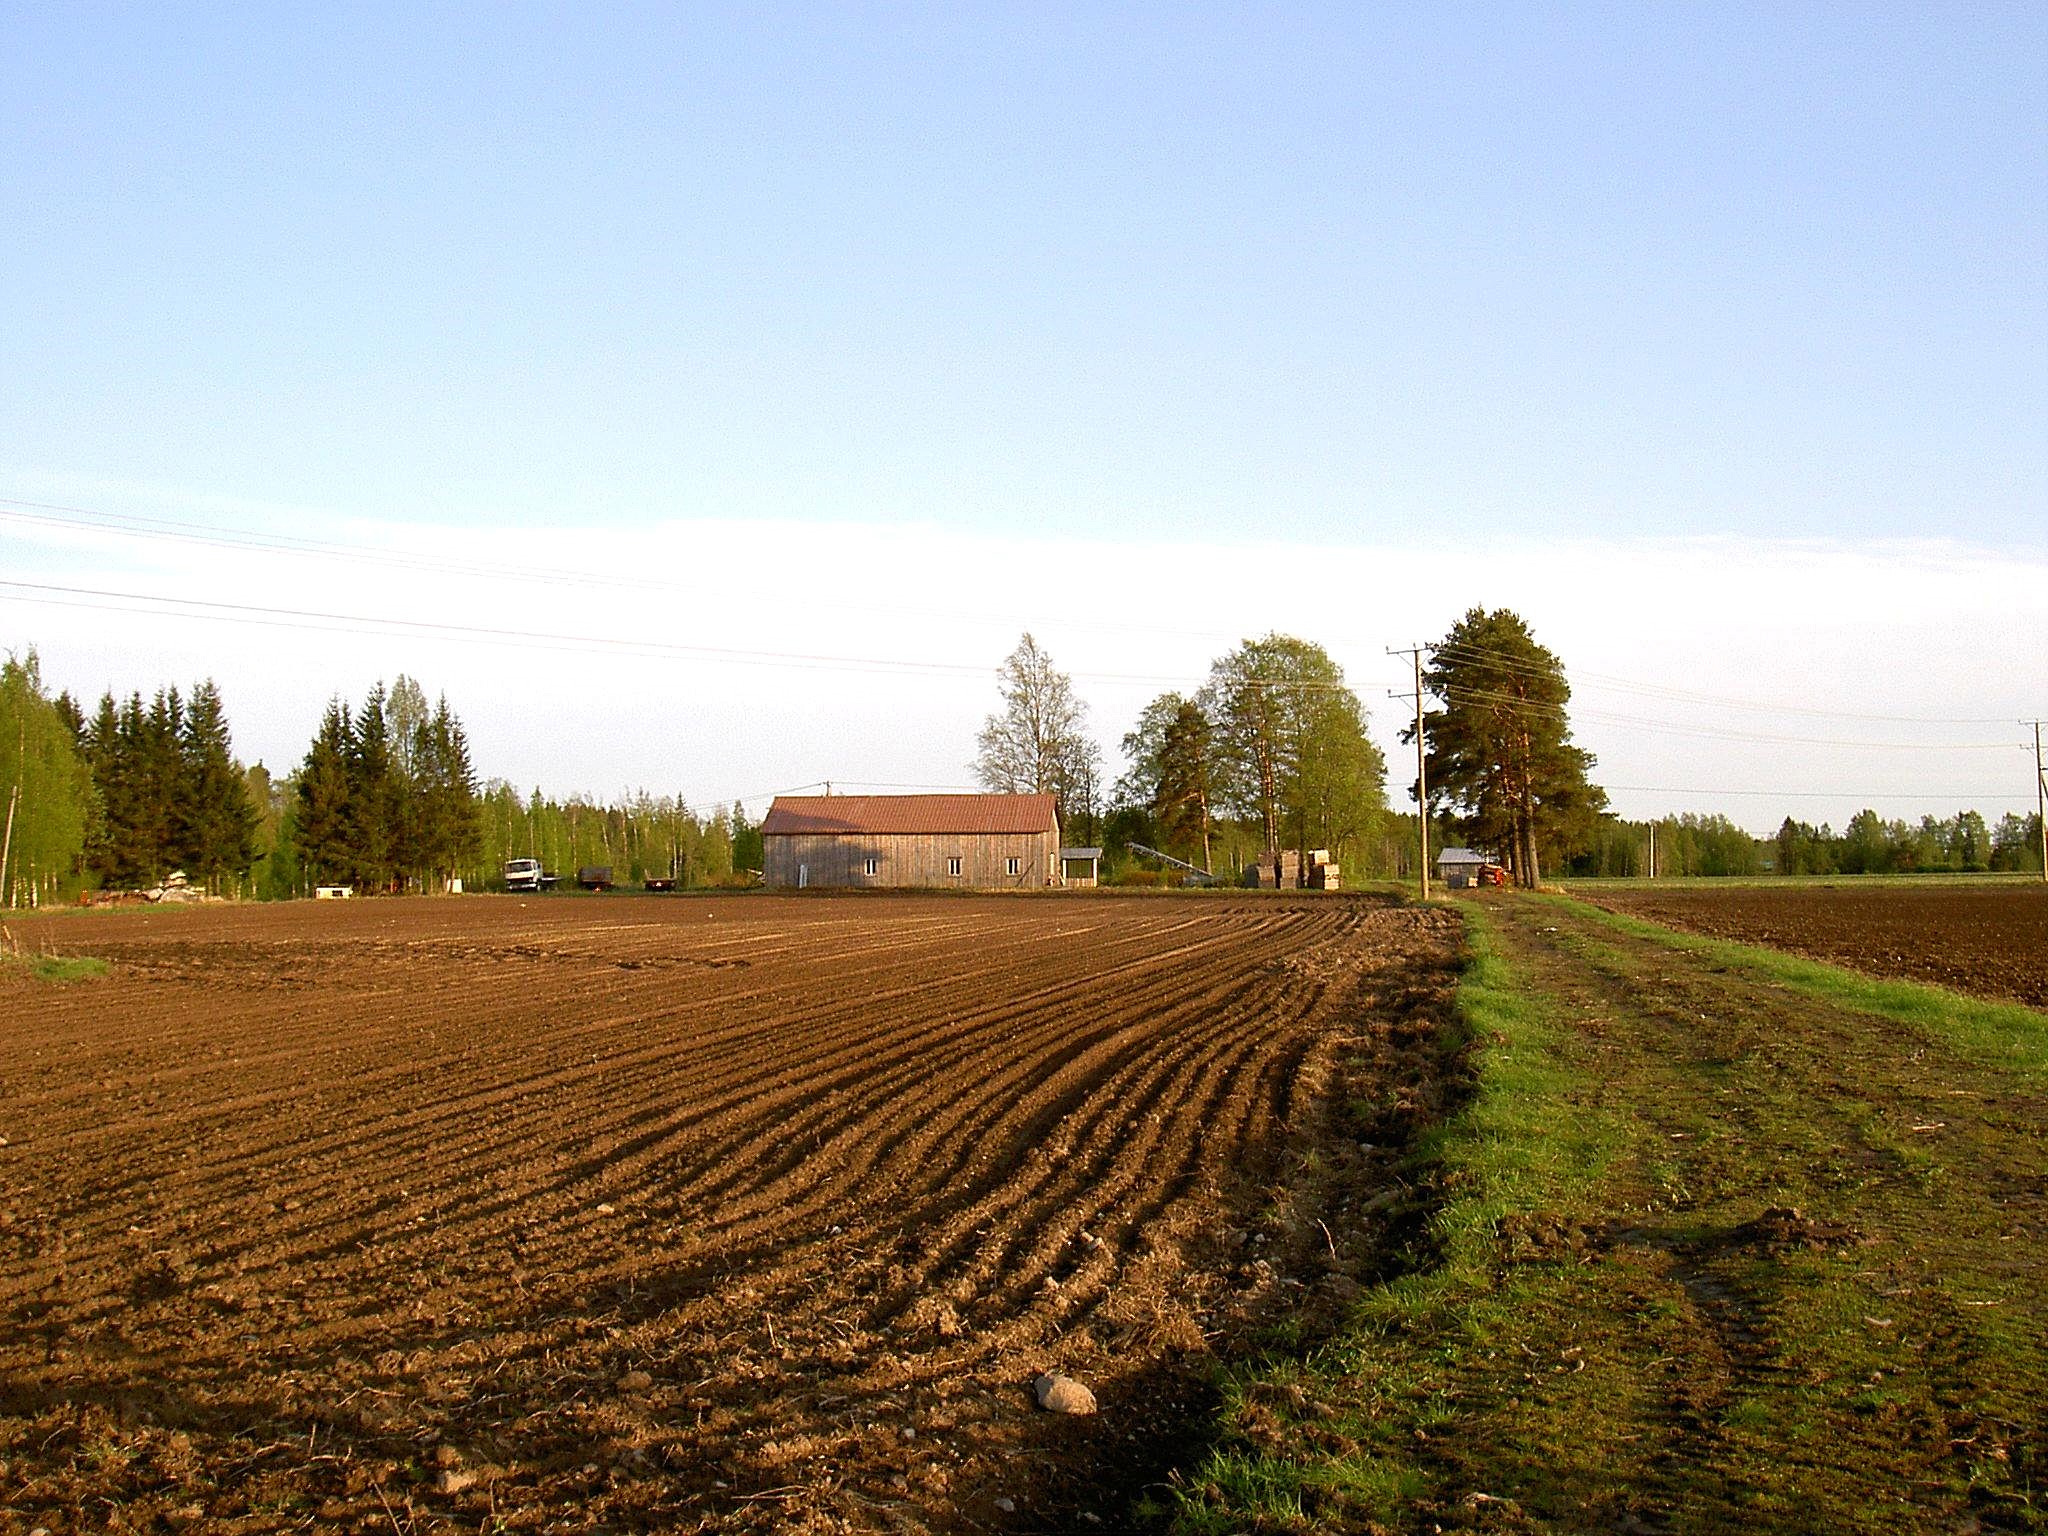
{"x": 1007, "y": 1506}
{"x": 1063, "y": 1394}
{"x": 635, "y": 1381}
{"x": 452, "y": 1480}
{"x": 604, "y": 1210}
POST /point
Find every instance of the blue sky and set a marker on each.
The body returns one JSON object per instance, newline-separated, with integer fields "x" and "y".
{"x": 1204, "y": 320}
{"x": 1186, "y": 269}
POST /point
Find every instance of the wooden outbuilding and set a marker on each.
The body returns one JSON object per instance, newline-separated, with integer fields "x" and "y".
{"x": 961, "y": 842}
{"x": 1459, "y": 868}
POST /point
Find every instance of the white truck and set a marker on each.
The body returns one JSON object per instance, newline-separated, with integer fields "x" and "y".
{"x": 527, "y": 875}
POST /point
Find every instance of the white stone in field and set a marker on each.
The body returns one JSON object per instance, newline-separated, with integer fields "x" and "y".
{"x": 1063, "y": 1394}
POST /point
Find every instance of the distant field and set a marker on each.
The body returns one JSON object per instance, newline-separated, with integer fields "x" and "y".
{"x": 1985, "y": 937}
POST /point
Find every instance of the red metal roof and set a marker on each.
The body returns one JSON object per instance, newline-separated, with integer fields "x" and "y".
{"x": 868, "y": 815}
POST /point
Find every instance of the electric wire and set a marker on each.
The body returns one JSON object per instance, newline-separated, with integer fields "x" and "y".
{"x": 213, "y": 535}
{"x": 329, "y": 621}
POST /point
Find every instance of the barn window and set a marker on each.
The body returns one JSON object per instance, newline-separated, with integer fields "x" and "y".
{"x": 1013, "y": 866}
{"x": 953, "y": 865}
{"x": 874, "y": 866}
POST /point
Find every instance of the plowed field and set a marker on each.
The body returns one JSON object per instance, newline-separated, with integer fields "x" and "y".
{"x": 1990, "y": 940}
{"x": 678, "y": 1214}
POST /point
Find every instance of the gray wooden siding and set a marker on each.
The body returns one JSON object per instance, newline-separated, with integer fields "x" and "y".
{"x": 912, "y": 860}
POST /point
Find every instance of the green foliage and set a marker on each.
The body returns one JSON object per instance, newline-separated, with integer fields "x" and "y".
{"x": 1871, "y": 845}
{"x": 172, "y": 795}
{"x": 386, "y": 799}
{"x": 322, "y": 836}
{"x": 1499, "y": 744}
{"x": 58, "y": 968}
{"x": 747, "y": 850}
{"x": 49, "y": 807}
{"x": 639, "y": 836}
{"x": 2016, "y": 843}
{"x": 1291, "y": 750}
{"x": 219, "y": 821}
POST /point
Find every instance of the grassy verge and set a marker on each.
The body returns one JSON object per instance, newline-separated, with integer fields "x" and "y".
{"x": 2000, "y": 1031}
{"x": 46, "y": 967}
{"x": 1724, "y": 1240}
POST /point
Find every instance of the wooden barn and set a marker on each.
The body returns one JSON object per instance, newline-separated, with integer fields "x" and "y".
{"x": 967, "y": 842}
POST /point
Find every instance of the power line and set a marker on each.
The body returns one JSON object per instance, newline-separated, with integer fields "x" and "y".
{"x": 1812, "y": 794}
{"x": 208, "y": 535}
{"x": 1483, "y": 656}
{"x": 212, "y": 535}
{"x": 1514, "y": 704}
{"x": 330, "y": 622}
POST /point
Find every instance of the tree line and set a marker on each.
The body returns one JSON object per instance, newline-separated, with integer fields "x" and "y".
{"x": 1269, "y": 752}
{"x": 637, "y": 837}
{"x": 386, "y": 799}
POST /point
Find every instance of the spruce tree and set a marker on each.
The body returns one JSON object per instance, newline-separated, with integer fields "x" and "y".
{"x": 321, "y": 826}
{"x": 219, "y": 831}
{"x": 375, "y": 801}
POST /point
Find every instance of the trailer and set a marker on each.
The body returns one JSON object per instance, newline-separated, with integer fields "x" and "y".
{"x": 595, "y": 877}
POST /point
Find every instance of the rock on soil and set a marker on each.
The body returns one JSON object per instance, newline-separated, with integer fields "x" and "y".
{"x": 1063, "y": 1394}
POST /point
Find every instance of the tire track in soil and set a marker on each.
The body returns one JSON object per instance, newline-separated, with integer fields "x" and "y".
{"x": 859, "y": 1189}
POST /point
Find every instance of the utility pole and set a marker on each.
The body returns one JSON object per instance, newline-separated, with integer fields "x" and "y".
{"x": 7, "y": 843}
{"x": 1414, "y": 653}
{"x": 2041, "y": 800}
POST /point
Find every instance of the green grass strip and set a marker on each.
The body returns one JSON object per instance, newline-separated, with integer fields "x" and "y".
{"x": 1518, "y": 1145}
{"x": 2008, "y": 1034}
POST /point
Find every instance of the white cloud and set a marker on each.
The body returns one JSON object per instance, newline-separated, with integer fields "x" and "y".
{"x": 590, "y": 658}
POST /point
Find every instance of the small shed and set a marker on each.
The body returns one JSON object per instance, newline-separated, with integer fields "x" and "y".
{"x": 1460, "y": 867}
{"x": 963, "y": 842}
{"x": 1081, "y": 866}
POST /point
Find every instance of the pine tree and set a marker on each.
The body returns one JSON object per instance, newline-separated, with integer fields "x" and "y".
{"x": 156, "y": 794}
{"x": 375, "y": 799}
{"x": 218, "y": 832}
{"x": 322, "y": 830}
{"x": 445, "y": 823}
{"x": 1499, "y": 744}
{"x": 1183, "y": 787}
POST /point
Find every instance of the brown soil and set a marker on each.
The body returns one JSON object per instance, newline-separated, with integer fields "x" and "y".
{"x": 1990, "y": 940}
{"x": 736, "y": 1214}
